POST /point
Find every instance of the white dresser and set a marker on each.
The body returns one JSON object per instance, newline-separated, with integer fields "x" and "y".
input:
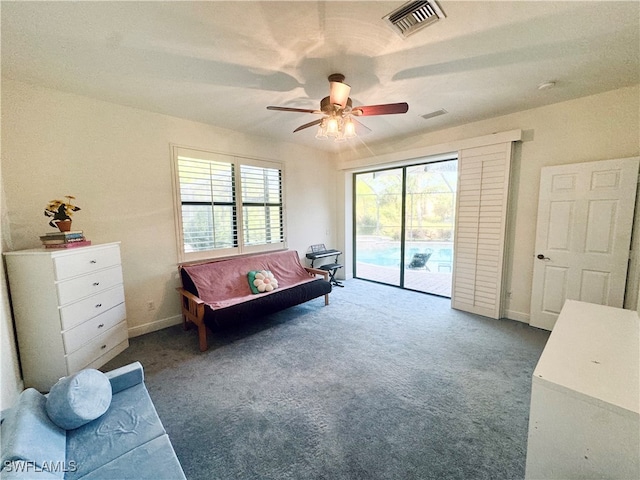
{"x": 69, "y": 310}
{"x": 585, "y": 400}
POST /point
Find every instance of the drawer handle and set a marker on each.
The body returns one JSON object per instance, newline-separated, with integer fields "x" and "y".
{"x": 103, "y": 347}
{"x": 95, "y": 284}
{"x": 98, "y": 305}
{"x": 93, "y": 261}
{"x": 101, "y": 325}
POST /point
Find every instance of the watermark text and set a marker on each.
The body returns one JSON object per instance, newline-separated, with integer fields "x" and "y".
{"x": 29, "y": 466}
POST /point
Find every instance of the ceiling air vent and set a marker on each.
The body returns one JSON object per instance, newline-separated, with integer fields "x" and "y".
{"x": 435, "y": 113}
{"x": 413, "y": 16}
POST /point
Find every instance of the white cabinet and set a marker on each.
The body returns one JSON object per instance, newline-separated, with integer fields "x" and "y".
{"x": 69, "y": 310}
{"x": 585, "y": 399}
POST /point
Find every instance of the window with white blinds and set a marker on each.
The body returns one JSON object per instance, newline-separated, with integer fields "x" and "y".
{"x": 483, "y": 188}
{"x": 261, "y": 205}
{"x": 226, "y": 205}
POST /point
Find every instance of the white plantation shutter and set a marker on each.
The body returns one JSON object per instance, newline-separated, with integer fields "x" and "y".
{"x": 207, "y": 192}
{"x": 481, "y": 229}
{"x": 226, "y": 205}
{"x": 261, "y": 205}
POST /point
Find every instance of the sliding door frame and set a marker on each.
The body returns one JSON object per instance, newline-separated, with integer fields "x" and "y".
{"x": 478, "y": 298}
{"x": 403, "y": 211}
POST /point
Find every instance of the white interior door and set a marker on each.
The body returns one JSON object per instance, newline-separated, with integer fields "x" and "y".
{"x": 583, "y": 236}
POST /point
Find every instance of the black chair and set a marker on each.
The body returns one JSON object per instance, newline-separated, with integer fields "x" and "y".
{"x": 420, "y": 260}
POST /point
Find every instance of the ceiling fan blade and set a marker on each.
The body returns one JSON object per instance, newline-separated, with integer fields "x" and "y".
{"x": 289, "y": 109}
{"x": 386, "y": 109}
{"x": 307, "y": 125}
{"x": 339, "y": 93}
{"x": 362, "y": 128}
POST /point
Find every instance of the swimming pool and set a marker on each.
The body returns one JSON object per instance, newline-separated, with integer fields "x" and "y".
{"x": 386, "y": 255}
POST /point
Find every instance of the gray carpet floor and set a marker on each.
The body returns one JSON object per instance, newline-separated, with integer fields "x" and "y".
{"x": 381, "y": 384}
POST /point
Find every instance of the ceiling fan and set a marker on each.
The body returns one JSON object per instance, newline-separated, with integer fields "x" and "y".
{"x": 338, "y": 111}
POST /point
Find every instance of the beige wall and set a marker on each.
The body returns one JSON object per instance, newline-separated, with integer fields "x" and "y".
{"x": 116, "y": 161}
{"x": 598, "y": 127}
{"x": 10, "y": 382}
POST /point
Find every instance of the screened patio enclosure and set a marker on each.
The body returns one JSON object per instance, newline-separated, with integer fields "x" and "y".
{"x": 404, "y": 222}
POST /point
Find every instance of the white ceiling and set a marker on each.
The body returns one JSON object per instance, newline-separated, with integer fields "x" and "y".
{"x": 222, "y": 63}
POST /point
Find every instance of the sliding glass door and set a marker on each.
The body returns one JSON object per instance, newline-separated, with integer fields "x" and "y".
{"x": 404, "y": 224}
{"x": 378, "y": 215}
{"x": 430, "y": 200}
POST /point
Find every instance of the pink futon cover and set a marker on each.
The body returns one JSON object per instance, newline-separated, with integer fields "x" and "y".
{"x": 224, "y": 283}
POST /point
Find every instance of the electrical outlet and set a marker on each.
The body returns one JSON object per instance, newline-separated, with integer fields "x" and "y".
{"x": 151, "y": 306}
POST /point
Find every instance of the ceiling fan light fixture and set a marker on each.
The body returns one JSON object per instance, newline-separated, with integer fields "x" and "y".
{"x": 339, "y": 93}
{"x": 337, "y": 112}
{"x": 322, "y": 129}
{"x": 332, "y": 127}
{"x": 349, "y": 128}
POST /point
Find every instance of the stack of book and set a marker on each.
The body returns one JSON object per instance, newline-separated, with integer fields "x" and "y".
{"x": 65, "y": 239}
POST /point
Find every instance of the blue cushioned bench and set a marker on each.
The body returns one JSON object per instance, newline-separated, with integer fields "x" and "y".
{"x": 128, "y": 441}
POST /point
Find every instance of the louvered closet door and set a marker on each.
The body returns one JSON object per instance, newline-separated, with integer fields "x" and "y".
{"x": 481, "y": 228}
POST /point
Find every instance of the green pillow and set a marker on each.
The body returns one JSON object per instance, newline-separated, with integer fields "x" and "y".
{"x": 261, "y": 281}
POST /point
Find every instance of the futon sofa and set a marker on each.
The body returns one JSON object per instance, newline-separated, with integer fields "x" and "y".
{"x": 54, "y": 436}
{"x": 219, "y": 293}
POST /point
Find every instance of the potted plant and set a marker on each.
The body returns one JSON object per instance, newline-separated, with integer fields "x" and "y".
{"x": 60, "y": 212}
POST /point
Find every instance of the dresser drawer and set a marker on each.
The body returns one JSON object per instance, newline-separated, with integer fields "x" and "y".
{"x": 86, "y": 285}
{"x": 114, "y": 352}
{"x": 97, "y": 347}
{"x": 85, "y": 261}
{"x": 78, "y": 336}
{"x": 79, "y": 312}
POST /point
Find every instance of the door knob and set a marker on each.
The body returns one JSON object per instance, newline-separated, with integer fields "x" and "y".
{"x": 542, "y": 257}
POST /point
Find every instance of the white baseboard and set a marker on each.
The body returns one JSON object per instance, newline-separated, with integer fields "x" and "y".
{"x": 153, "y": 326}
{"x": 517, "y": 316}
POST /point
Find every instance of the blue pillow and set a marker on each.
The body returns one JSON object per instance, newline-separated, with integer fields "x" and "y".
{"x": 79, "y": 398}
{"x": 29, "y": 434}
